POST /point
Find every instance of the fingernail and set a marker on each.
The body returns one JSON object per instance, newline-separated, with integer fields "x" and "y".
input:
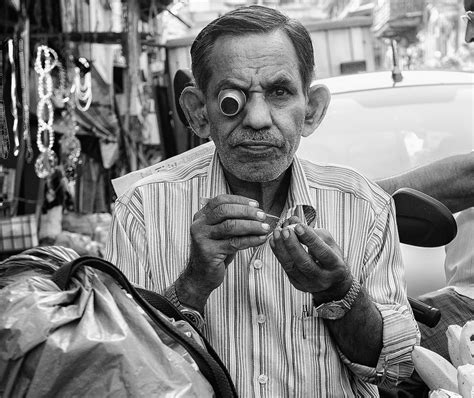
{"x": 203, "y": 201}
{"x": 286, "y": 233}
{"x": 265, "y": 226}
{"x": 261, "y": 215}
{"x": 276, "y": 233}
{"x": 299, "y": 229}
{"x": 253, "y": 203}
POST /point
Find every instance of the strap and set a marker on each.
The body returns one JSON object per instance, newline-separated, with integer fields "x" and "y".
{"x": 209, "y": 362}
{"x": 166, "y": 307}
{"x": 161, "y": 303}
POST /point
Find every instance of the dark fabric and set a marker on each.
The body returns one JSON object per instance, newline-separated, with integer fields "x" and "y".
{"x": 455, "y": 310}
{"x": 92, "y": 194}
{"x": 411, "y": 388}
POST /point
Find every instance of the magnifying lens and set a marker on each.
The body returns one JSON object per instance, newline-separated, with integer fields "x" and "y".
{"x": 231, "y": 101}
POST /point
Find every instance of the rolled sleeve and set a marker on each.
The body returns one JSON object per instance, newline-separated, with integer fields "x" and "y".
{"x": 400, "y": 335}
{"x": 384, "y": 279}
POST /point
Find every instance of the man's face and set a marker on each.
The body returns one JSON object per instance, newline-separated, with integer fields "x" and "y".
{"x": 257, "y": 144}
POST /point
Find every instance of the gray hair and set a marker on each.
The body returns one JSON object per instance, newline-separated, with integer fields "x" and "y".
{"x": 248, "y": 20}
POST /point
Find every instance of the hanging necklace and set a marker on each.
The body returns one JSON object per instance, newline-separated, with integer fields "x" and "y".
{"x": 25, "y": 90}
{"x": 14, "y": 110}
{"x": 83, "y": 86}
{"x": 70, "y": 145}
{"x": 4, "y": 137}
{"x": 61, "y": 92}
{"x": 45, "y": 62}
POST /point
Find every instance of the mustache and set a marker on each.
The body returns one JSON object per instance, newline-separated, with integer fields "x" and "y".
{"x": 256, "y": 136}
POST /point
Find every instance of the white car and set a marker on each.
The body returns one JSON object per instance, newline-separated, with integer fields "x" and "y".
{"x": 382, "y": 129}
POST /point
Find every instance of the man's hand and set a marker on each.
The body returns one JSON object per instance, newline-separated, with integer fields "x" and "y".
{"x": 319, "y": 270}
{"x": 322, "y": 271}
{"x": 226, "y": 224}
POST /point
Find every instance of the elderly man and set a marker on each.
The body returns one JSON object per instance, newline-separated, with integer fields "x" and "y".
{"x": 315, "y": 306}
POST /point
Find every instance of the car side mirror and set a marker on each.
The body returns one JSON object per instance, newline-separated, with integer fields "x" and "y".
{"x": 423, "y": 220}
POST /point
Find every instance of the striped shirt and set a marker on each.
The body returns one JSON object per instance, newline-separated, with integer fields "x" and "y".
{"x": 254, "y": 320}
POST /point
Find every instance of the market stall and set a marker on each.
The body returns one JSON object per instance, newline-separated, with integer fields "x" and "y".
{"x": 77, "y": 108}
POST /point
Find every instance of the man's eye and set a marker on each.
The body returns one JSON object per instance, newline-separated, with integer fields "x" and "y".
{"x": 280, "y": 91}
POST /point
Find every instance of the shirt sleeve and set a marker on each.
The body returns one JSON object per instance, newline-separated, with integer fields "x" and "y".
{"x": 383, "y": 277}
{"x": 126, "y": 245}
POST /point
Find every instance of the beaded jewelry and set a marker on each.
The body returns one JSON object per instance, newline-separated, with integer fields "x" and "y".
{"x": 83, "y": 87}
{"x": 70, "y": 146}
{"x": 46, "y": 60}
{"x": 4, "y": 137}
{"x": 14, "y": 109}
{"x": 61, "y": 92}
{"x": 25, "y": 90}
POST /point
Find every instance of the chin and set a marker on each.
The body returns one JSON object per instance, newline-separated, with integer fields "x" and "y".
{"x": 258, "y": 174}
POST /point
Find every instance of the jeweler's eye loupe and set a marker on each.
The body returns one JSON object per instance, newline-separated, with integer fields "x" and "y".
{"x": 231, "y": 101}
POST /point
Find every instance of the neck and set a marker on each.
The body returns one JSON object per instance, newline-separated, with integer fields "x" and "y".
{"x": 271, "y": 195}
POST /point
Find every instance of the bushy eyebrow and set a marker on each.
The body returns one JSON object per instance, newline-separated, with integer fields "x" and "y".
{"x": 230, "y": 82}
{"x": 280, "y": 80}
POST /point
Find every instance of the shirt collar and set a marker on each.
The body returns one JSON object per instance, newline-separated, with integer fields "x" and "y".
{"x": 216, "y": 182}
{"x": 298, "y": 201}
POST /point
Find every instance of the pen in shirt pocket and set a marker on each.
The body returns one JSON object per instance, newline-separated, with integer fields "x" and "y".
{"x": 304, "y": 315}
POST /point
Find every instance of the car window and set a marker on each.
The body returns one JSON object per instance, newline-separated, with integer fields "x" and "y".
{"x": 386, "y": 131}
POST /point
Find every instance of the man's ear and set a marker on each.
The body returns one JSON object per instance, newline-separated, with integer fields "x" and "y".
{"x": 318, "y": 101}
{"x": 193, "y": 104}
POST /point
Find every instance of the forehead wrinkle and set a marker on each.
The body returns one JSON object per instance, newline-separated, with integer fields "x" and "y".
{"x": 272, "y": 56}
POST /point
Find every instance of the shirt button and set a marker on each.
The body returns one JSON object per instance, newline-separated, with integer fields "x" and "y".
{"x": 262, "y": 379}
{"x": 261, "y": 318}
{"x": 257, "y": 264}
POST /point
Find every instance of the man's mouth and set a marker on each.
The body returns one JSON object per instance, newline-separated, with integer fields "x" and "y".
{"x": 257, "y": 144}
{"x": 257, "y": 148}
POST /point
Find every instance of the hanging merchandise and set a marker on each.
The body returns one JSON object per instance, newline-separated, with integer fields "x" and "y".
{"x": 25, "y": 101}
{"x": 14, "y": 110}
{"x": 60, "y": 93}
{"x": 70, "y": 151}
{"x": 82, "y": 85}
{"x": 70, "y": 146}
{"x": 46, "y": 60}
{"x": 4, "y": 137}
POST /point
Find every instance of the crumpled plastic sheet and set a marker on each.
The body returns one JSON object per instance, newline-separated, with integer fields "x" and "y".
{"x": 88, "y": 341}
{"x": 441, "y": 393}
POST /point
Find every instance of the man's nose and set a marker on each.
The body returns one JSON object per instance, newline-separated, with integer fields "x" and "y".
{"x": 257, "y": 112}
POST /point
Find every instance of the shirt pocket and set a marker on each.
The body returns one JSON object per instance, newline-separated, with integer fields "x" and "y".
{"x": 307, "y": 327}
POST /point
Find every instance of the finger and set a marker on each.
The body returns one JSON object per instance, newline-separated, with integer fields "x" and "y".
{"x": 327, "y": 238}
{"x": 218, "y": 200}
{"x": 279, "y": 249}
{"x": 303, "y": 261}
{"x": 231, "y": 228}
{"x": 226, "y": 211}
{"x": 290, "y": 221}
{"x": 317, "y": 246}
{"x": 295, "y": 276}
{"x": 243, "y": 242}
